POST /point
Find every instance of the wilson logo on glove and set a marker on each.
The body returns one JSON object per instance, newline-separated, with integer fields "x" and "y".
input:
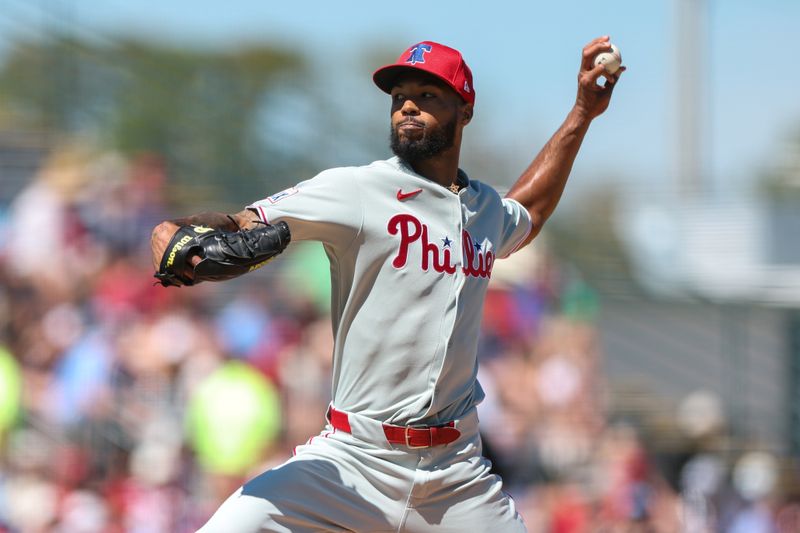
{"x": 177, "y": 248}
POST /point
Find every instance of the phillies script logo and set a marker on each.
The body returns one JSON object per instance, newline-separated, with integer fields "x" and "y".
{"x": 477, "y": 263}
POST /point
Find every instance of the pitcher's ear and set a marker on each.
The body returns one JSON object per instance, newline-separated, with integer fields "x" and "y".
{"x": 468, "y": 111}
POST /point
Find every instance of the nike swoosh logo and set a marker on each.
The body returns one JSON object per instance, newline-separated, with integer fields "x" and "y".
{"x": 406, "y": 195}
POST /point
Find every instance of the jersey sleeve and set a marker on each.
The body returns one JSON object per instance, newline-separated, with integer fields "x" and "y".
{"x": 326, "y": 208}
{"x": 517, "y": 225}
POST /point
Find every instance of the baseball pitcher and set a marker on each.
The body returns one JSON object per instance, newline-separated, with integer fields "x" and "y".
{"x": 412, "y": 242}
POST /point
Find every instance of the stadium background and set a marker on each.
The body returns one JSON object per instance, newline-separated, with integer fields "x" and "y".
{"x": 642, "y": 360}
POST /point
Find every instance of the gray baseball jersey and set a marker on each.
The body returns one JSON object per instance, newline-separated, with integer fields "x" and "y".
{"x": 410, "y": 264}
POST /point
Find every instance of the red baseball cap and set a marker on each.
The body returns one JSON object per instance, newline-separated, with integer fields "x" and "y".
{"x": 442, "y": 61}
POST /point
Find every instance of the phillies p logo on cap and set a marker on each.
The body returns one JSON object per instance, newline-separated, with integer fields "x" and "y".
{"x": 417, "y": 54}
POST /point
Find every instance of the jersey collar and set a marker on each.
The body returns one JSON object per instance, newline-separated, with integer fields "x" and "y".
{"x": 461, "y": 178}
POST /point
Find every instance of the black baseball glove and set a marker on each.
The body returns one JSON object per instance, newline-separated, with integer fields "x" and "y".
{"x": 224, "y": 254}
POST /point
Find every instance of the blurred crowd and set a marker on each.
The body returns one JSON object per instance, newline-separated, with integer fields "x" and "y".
{"x": 128, "y": 407}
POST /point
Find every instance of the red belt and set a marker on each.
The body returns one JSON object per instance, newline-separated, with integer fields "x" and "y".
{"x": 411, "y": 436}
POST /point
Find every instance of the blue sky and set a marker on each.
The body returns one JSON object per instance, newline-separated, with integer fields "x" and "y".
{"x": 524, "y": 55}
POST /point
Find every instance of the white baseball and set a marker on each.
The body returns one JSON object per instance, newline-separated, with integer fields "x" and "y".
{"x": 612, "y": 60}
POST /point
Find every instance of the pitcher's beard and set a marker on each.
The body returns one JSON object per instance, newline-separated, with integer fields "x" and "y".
{"x": 431, "y": 144}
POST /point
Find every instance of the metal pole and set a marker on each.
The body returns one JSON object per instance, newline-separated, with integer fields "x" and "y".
{"x": 690, "y": 79}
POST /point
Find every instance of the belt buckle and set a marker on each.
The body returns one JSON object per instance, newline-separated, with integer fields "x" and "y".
{"x": 408, "y": 442}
